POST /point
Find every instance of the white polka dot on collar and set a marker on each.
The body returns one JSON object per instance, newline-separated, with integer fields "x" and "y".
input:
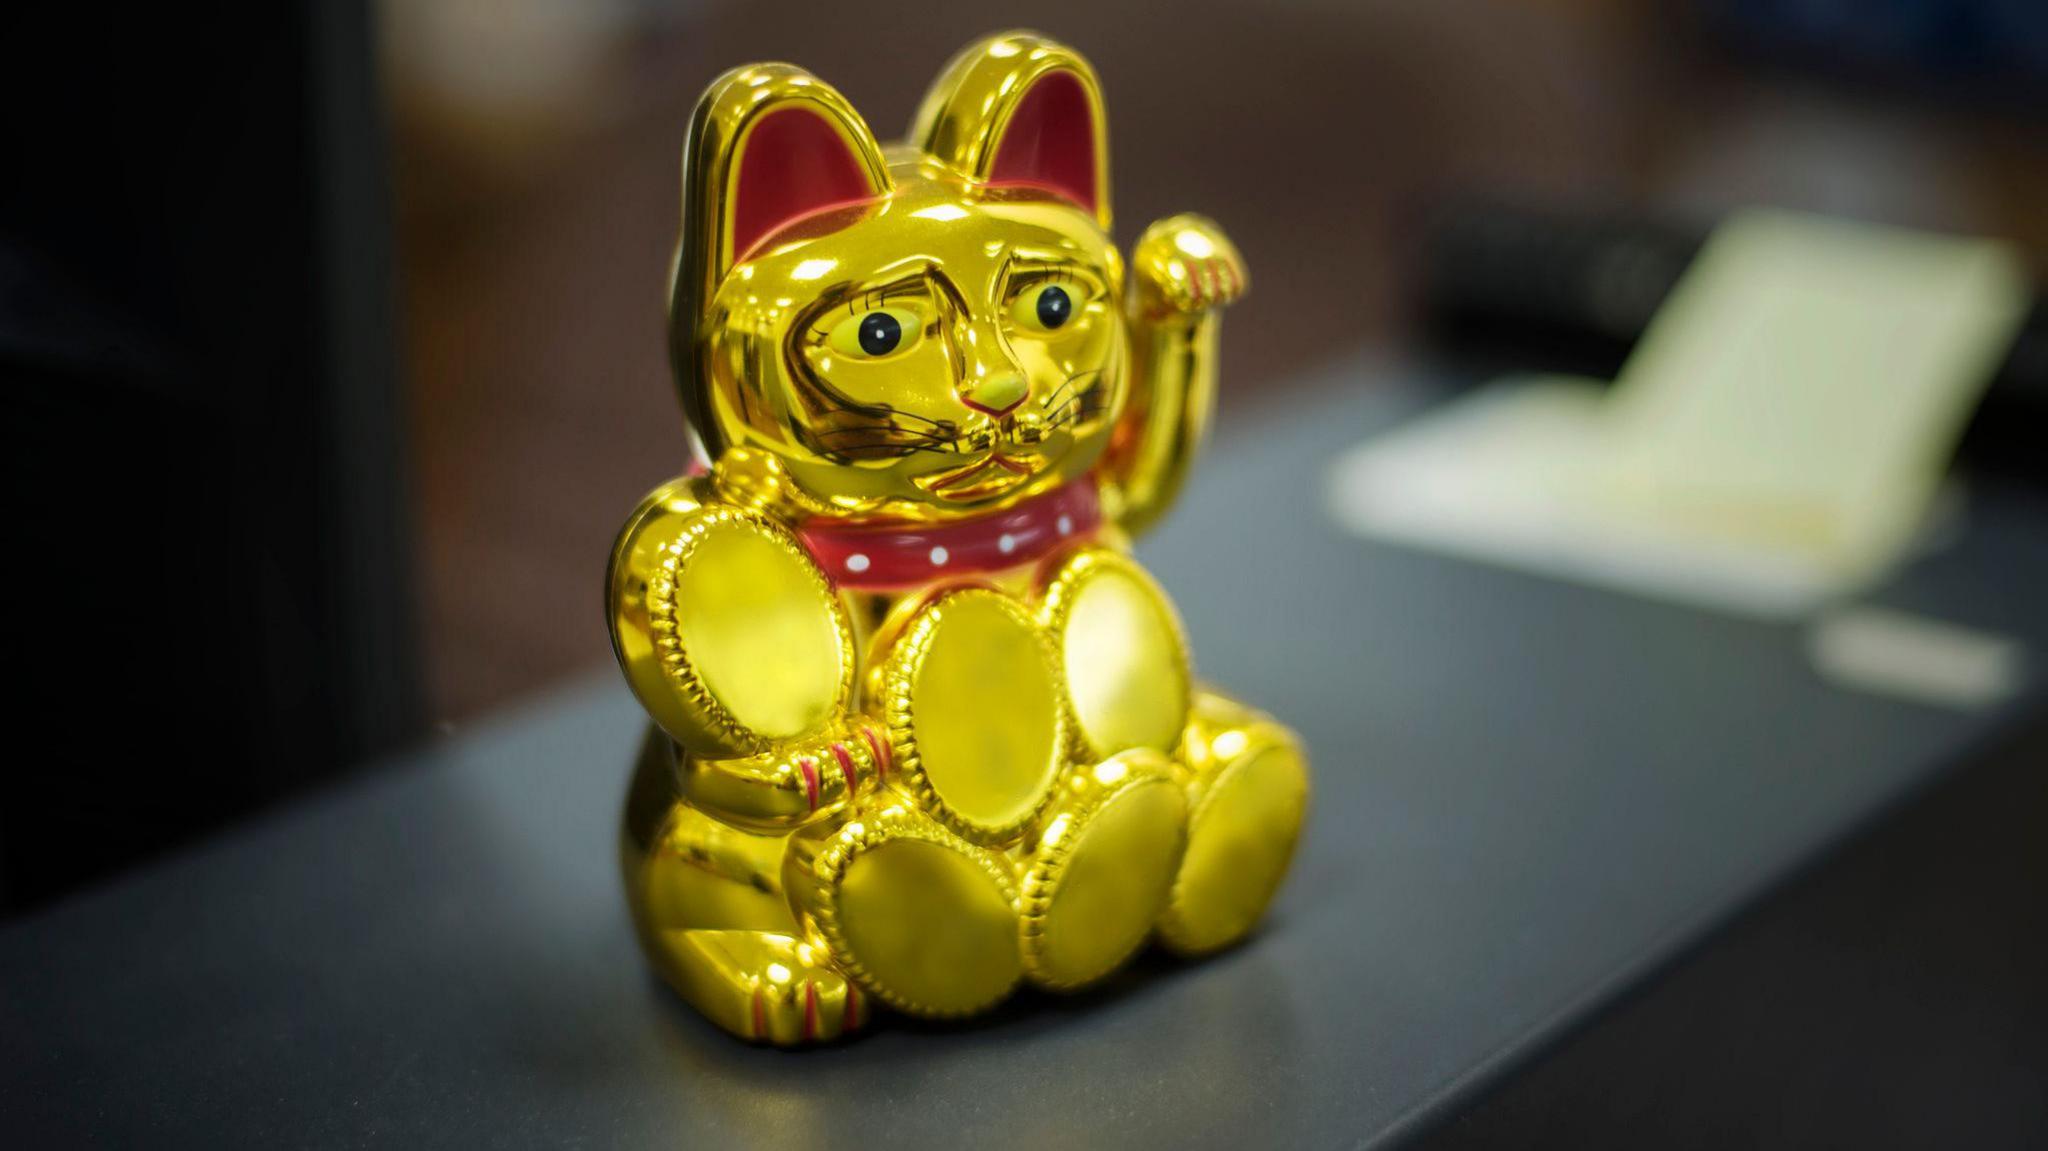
{"x": 1066, "y": 525}
{"x": 1006, "y": 544}
{"x": 856, "y": 562}
{"x": 939, "y": 557}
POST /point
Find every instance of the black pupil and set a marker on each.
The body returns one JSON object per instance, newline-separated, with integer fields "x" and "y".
{"x": 880, "y": 333}
{"x": 1054, "y": 307}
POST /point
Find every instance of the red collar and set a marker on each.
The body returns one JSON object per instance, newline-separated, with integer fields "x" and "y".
{"x": 872, "y": 557}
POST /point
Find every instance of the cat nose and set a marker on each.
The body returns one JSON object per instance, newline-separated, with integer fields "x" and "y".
{"x": 996, "y": 394}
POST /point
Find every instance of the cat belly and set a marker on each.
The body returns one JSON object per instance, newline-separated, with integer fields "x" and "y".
{"x": 994, "y": 688}
{"x": 1059, "y": 794}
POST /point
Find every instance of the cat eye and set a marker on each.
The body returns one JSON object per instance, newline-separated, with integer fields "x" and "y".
{"x": 1045, "y": 308}
{"x": 875, "y": 334}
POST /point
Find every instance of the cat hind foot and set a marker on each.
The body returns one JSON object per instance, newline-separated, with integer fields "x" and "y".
{"x": 762, "y": 986}
{"x": 1248, "y": 799}
{"x": 1101, "y": 870}
{"x": 923, "y": 920}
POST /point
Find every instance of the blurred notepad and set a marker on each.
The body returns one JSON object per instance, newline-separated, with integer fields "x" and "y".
{"x": 1776, "y": 439}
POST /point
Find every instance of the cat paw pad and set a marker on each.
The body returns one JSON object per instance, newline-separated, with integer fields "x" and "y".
{"x": 1186, "y": 264}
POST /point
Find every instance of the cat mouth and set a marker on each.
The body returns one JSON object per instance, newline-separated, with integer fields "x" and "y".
{"x": 991, "y": 475}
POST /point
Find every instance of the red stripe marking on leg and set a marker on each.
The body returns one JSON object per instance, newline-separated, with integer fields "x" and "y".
{"x": 760, "y": 1015}
{"x": 879, "y": 748}
{"x": 810, "y": 1010}
{"x": 852, "y": 1008}
{"x": 846, "y": 768}
{"x": 810, "y": 771}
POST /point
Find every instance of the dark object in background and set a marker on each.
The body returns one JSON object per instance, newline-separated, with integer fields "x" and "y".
{"x": 1987, "y": 45}
{"x": 1528, "y": 290}
{"x": 201, "y": 428}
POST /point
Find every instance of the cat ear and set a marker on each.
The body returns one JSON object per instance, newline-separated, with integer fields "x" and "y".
{"x": 1018, "y": 109}
{"x": 770, "y": 145}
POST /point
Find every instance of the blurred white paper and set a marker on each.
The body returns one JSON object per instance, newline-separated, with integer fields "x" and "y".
{"x": 1776, "y": 439}
{"x": 1916, "y": 659}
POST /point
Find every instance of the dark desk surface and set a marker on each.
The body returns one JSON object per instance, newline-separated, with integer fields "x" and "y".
{"x": 1528, "y": 795}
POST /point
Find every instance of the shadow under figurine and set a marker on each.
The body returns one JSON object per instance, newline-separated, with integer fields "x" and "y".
{"x": 922, "y": 728}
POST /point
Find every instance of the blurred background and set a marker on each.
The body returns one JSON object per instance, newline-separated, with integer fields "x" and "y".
{"x": 334, "y": 339}
{"x": 1352, "y": 150}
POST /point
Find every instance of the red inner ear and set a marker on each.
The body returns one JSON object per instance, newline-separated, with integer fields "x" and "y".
{"x": 794, "y": 164}
{"x": 1050, "y": 141}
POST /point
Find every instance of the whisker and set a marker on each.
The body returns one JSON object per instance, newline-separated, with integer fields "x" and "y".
{"x": 1071, "y": 382}
{"x": 880, "y": 430}
{"x": 1072, "y": 402}
{"x": 878, "y": 439}
{"x": 877, "y": 450}
{"x": 900, "y": 415}
{"x": 880, "y": 450}
{"x": 1092, "y": 402}
{"x": 875, "y": 429}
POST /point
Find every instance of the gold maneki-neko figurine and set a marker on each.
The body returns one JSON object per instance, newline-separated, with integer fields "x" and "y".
{"x": 922, "y": 728}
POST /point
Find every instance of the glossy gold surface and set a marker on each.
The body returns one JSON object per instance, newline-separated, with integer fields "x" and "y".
{"x": 924, "y": 920}
{"x": 1250, "y": 793}
{"x": 1103, "y": 869}
{"x": 919, "y": 790}
{"x": 1127, "y": 666}
{"x": 727, "y": 632}
{"x": 971, "y": 692}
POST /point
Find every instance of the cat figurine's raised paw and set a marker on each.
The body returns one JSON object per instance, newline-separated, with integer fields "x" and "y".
{"x": 921, "y": 727}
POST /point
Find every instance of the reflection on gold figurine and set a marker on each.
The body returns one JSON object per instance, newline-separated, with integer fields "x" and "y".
{"x": 921, "y": 727}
